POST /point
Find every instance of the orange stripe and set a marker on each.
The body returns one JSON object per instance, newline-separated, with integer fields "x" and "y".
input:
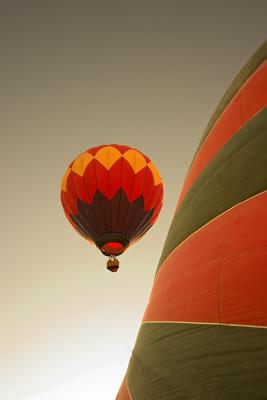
{"x": 250, "y": 99}
{"x": 123, "y": 393}
{"x": 219, "y": 274}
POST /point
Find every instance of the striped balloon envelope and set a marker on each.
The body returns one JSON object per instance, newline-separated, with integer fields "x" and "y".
{"x": 204, "y": 331}
{"x": 112, "y": 195}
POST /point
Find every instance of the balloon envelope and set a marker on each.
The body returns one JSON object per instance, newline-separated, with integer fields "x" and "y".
{"x": 204, "y": 332}
{"x": 112, "y": 195}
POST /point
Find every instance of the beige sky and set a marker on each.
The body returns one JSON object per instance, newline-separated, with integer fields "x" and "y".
{"x": 146, "y": 74}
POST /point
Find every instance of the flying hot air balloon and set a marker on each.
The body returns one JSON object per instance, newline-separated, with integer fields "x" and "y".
{"x": 112, "y": 195}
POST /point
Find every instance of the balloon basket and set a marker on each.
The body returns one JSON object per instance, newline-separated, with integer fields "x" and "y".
{"x": 113, "y": 265}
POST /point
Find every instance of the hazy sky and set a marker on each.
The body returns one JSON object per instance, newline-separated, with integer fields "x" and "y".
{"x": 147, "y": 74}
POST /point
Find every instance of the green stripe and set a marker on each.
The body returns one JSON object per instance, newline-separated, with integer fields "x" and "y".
{"x": 253, "y": 63}
{"x": 235, "y": 174}
{"x": 192, "y": 362}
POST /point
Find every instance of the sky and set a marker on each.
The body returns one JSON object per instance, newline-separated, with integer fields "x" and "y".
{"x": 147, "y": 74}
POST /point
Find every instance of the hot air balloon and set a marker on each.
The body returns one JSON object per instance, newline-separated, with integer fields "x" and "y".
{"x": 204, "y": 331}
{"x": 112, "y": 195}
